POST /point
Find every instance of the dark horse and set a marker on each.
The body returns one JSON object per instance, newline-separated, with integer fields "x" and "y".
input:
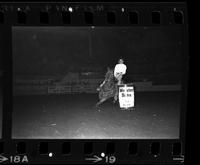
{"x": 108, "y": 88}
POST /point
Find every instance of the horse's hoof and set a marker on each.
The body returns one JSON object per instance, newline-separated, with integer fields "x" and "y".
{"x": 97, "y": 106}
{"x": 114, "y": 101}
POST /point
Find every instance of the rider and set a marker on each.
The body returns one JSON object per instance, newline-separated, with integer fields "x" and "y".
{"x": 120, "y": 70}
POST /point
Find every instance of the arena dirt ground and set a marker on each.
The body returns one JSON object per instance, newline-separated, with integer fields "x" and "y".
{"x": 155, "y": 116}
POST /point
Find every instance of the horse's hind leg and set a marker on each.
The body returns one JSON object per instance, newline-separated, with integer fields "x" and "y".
{"x": 100, "y": 102}
{"x": 97, "y": 104}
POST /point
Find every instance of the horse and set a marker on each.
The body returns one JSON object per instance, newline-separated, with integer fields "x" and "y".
{"x": 108, "y": 88}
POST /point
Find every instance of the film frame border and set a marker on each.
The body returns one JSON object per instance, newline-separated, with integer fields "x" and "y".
{"x": 32, "y": 10}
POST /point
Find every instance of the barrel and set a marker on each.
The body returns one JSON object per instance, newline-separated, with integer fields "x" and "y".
{"x": 126, "y": 96}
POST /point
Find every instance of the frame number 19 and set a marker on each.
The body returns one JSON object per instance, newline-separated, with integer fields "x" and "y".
{"x": 110, "y": 159}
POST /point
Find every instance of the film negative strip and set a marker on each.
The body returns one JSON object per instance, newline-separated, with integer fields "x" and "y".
{"x": 93, "y": 83}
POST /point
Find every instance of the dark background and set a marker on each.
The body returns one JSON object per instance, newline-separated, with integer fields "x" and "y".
{"x": 59, "y": 50}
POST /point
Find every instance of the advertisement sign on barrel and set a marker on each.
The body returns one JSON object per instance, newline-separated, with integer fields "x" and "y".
{"x": 126, "y": 96}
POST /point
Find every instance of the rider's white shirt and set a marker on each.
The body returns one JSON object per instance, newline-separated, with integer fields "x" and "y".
{"x": 120, "y": 68}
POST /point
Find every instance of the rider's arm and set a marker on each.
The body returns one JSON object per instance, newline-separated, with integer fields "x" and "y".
{"x": 124, "y": 70}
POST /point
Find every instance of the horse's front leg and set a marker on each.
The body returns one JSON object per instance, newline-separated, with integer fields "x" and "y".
{"x": 115, "y": 96}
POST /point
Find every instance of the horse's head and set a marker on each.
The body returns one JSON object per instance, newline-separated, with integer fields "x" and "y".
{"x": 109, "y": 74}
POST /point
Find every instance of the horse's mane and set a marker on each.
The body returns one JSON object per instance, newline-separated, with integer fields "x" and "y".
{"x": 109, "y": 74}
